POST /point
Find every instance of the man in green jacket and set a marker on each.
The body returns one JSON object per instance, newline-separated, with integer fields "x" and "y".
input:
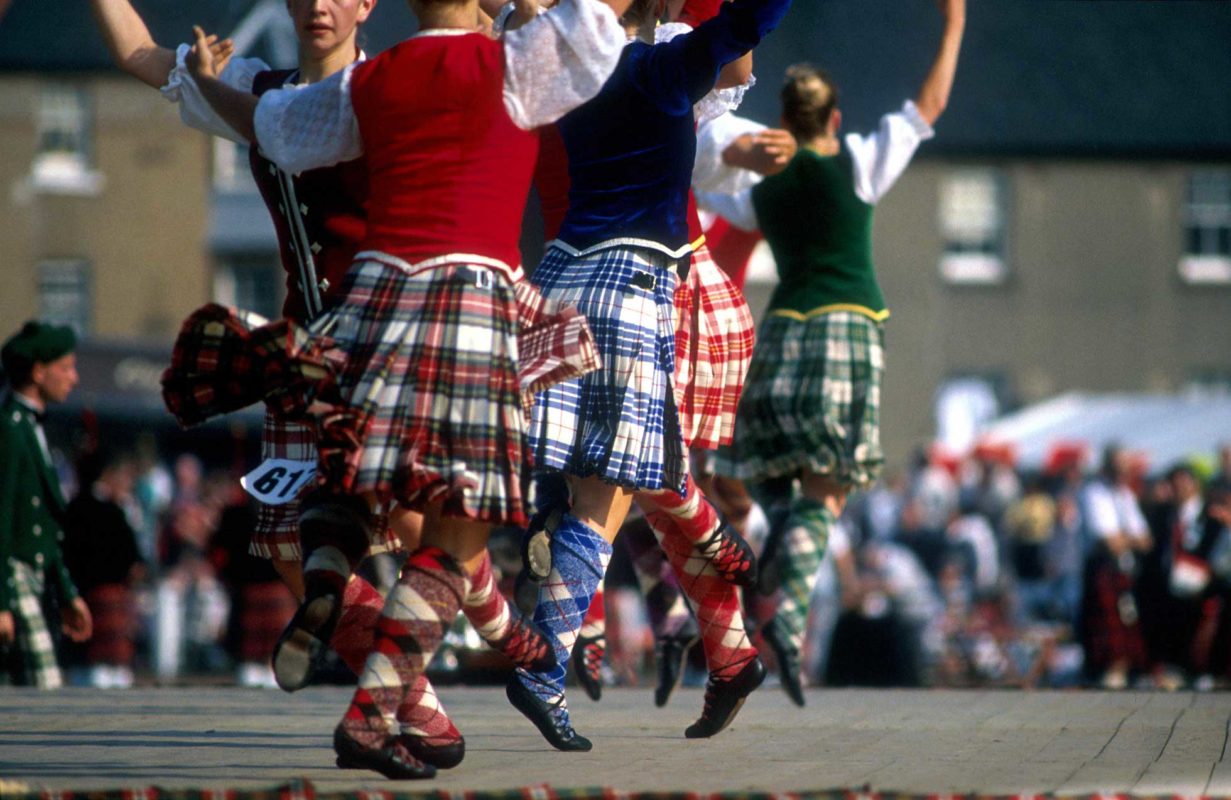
{"x": 41, "y": 369}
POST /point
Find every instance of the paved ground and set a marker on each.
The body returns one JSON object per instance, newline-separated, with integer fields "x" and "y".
{"x": 917, "y": 741}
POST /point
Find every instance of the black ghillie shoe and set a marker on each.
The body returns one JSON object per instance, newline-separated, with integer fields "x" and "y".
{"x": 788, "y": 663}
{"x": 340, "y": 521}
{"x": 303, "y": 644}
{"x": 440, "y": 756}
{"x": 670, "y": 653}
{"x": 553, "y": 502}
{"x": 723, "y": 700}
{"x": 588, "y": 655}
{"x": 549, "y": 719}
{"x": 730, "y": 555}
{"x": 388, "y": 760}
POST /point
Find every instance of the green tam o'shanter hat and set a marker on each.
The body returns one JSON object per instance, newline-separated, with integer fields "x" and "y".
{"x": 38, "y": 343}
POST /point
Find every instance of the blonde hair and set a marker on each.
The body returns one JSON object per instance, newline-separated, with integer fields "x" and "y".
{"x": 808, "y": 101}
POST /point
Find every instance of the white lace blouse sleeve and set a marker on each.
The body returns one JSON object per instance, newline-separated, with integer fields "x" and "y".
{"x": 881, "y": 157}
{"x": 736, "y": 209}
{"x": 195, "y": 110}
{"x": 718, "y": 101}
{"x": 559, "y": 60}
{"x": 307, "y": 127}
{"x": 710, "y": 172}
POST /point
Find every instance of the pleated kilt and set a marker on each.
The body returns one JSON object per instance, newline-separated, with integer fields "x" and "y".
{"x": 30, "y": 659}
{"x": 114, "y": 611}
{"x": 418, "y": 385}
{"x": 277, "y": 527}
{"x": 714, "y": 337}
{"x": 429, "y": 386}
{"x": 811, "y": 401}
{"x": 619, "y": 422}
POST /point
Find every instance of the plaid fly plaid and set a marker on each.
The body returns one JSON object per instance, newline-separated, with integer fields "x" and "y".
{"x": 812, "y": 400}
{"x": 618, "y": 422}
{"x": 219, "y": 357}
{"x": 714, "y": 335}
{"x": 31, "y": 656}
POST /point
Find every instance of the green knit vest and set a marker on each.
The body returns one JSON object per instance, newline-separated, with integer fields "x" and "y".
{"x": 821, "y": 235}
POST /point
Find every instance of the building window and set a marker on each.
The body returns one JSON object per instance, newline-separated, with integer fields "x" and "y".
{"x": 1207, "y": 228}
{"x": 231, "y": 172}
{"x": 973, "y": 224}
{"x": 64, "y": 161}
{"x": 252, "y": 283}
{"x": 965, "y": 405}
{"x": 64, "y": 293}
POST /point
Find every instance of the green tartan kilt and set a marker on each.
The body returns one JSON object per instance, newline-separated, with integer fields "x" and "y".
{"x": 811, "y": 401}
{"x": 31, "y": 659}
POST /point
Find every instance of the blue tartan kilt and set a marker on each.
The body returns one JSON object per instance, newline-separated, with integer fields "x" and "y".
{"x": 619, "y": 422}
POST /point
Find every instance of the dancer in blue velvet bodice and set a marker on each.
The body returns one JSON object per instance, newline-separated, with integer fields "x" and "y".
{"x": 615, "y": 435}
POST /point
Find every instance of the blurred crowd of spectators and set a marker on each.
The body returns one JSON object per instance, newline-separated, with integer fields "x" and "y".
{"x": 956, "y": 572}
{"x": 966, "y": 572}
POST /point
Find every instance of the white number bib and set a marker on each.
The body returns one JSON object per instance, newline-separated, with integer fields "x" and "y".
{"x": 278, "y": 480}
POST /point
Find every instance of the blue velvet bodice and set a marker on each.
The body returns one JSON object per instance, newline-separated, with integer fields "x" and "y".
{"x": 631, "y": 148}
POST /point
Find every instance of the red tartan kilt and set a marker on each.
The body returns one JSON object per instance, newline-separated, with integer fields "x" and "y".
{"x": 1109, "y": 639}
{"x": 430, "y": 390}
{"x": 115, "y": 624}
{"x": 714, "y": 337}
{"x": 265, "y": 610}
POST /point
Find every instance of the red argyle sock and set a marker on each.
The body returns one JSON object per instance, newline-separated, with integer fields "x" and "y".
{"x": 352, "y": 639}
{"x": 714, "y": 600}
{"x": 419, "y": 609}
{"x": 506, "y": 631}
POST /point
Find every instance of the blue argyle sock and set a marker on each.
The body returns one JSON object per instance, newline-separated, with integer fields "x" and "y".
{"x": 579, "y": 560}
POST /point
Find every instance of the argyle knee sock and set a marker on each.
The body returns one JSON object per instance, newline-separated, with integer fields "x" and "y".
{"x": 804, "y": 538}
{"x": 488, "y": 611}
{"x": 352, "y": 639}
{"x": 421, "y": 715}
{"x": 419, "y": 609}
{"x": 714, "y": 600}
{"x": 697, "y": 518}
{"x": 330, "y": 560}
{"x": 698, "y": 522}
{"x": 579, "y": 560}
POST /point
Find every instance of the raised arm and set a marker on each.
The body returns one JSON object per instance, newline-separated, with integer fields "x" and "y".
{"x": 560, "y": 59}
{"x": 130, "y": 44}
{"x": 685, "y": 69}
{"x": 235, "y": 107}
{"x": 934, "y": 93}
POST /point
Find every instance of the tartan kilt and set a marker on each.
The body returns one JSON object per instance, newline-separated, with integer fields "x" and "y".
{"x": 277, "y": 527}
{"x": 31, "y": 657}
{"x": 811, "y": 401}
{"x": 429, "y": 388}
{"x": 265, "y": 610}
{"x": 714, "y": 336}
{"x": 618, "y": 423}
{"x": 114, "y": 612}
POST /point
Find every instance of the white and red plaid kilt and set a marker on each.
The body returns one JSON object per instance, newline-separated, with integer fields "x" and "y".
{"x": 431, "y": 396}
{"x": 440, "y": 323}
{"x": 714, "y": 337}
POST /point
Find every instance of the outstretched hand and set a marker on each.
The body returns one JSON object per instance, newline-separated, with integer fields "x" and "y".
{"x": 773, "y": 149}
{"x": 208, "y": 56}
